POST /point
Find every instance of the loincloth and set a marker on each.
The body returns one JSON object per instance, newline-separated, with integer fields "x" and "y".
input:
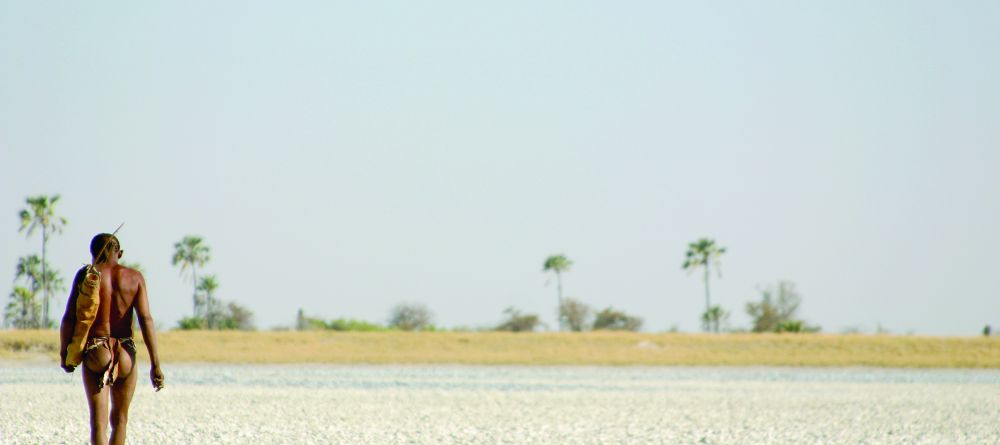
{"x": 114, "y": 345}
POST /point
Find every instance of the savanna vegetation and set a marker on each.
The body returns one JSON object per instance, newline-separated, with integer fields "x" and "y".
{"x": 35, "y": 282}
{"x": 26, "y": 308}
{"x": 208, "y": 311}
{"x": 509, "y": 348}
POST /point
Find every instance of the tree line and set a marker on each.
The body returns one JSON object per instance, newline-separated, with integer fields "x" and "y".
{"x": 776, "y": 311}
{"x": 36, "y": 282}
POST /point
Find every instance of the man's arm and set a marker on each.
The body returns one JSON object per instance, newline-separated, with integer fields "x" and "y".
{"x": 148, "y": 333}
{"x": 69, "y": 321}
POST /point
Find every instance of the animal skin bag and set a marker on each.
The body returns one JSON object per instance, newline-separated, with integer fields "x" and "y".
{"x": 88, "y": 299}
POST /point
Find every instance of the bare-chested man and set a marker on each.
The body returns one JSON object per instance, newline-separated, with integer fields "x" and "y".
{"x": 109, "y": 354}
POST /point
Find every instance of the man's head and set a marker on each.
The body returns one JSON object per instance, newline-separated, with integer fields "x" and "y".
{"x": 104, "y": 246}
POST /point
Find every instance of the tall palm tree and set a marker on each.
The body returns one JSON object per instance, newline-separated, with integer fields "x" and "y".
{"x": 558, "y": 264}
{"x": 191, "y": 252}
{"x": 208, "y": 285}
{"x": 41, "y": 212}
{"x": 702, "y": 253}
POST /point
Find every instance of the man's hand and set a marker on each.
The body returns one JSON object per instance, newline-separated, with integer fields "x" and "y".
{"x": 64, "y": 366}
{"x": 156, "y": 376}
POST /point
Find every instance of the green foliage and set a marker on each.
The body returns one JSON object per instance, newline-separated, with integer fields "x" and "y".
{"x": 714, "y": 318}
{"x": 314, "y": 324}
{"x": 351, "y": 324}
{"x": 211, "y": 307}
{"x": 236, "y": 316}
{"x": 790, "y": 326}
{"x": 575, "y": 314}
{"x": 41, "y": 214}
{"x": 702, "y": 254}
{"x": 191, "y": 323}
{"x": 410, "y": 317}
{"x": 304, "y": 323}
{"x": 29, "y": 270}
{"x": 24, "y": 310}
{"x": 216, "y": 314}
{"x": 557, "y": 264}
{"x": 612, "y": 320}
{"x": 231, "y": 317}
{"x": 518, "y": 322}
{"x": 192, "y": 252}
{"x": 776, "y": 311}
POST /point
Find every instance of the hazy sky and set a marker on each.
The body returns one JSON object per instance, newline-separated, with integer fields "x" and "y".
{"x": 343, "y": 157}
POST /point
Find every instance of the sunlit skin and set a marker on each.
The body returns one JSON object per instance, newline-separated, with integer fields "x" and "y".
{"x": 122, "y": 291}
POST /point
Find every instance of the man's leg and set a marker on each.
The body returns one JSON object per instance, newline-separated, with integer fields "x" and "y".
{"x": 97, "y": 400}
{"x": 121, "y": 396}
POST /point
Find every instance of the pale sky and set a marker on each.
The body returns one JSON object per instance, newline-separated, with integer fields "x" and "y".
{"x": 342, "y": 157}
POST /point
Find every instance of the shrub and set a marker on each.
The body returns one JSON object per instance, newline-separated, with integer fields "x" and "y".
{"x": 350, "y": 324}
{"x": 713, "y": 319}
{"x": 776, "y": 310}
{"x": 518, "y": 322}
{"x": 190, "y": 323}
{"x": 232, "y": 317}
{"x": 236, "y": 316}
{"x": 410, "y": 317}
{"x": 575, "y": 314}
{"x": 613, "y": 320}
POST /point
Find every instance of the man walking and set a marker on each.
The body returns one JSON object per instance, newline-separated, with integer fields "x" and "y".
{"x": 109, "y": 352}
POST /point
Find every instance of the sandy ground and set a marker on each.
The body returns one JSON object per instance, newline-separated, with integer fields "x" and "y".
{"x": 519, "y": 405}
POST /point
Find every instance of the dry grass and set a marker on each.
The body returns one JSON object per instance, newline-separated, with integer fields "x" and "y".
{"x": 594, "y": 348}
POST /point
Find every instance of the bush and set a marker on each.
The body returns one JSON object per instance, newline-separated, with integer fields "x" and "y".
{"x": 350, "y": 324}
{"x": 238, "y": 317}
{"x": 713, "y": 319}
{"x": 233, "y": 317}
{"x": 410, "y": 317}
{"x": 518, "y": 322}
{"x": 613, "y": 320}
{"x": 776, "y": 311}
{"x": 190, "y": 323}
{"x": 575, "y": 314}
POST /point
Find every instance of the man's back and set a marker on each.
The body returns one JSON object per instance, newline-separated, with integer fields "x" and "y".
{"x": 120, "y": 286}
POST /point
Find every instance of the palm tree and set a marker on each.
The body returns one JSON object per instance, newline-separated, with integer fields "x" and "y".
{"x": 713, "y": 318}
{"x": 41, "y": 212}
{"x": 191, "y": 252}
{"x": 22, "y": 311}
{"x": 208, "y": 285}
{"x": 702, "y": 253}
{"x": 558, "y": 264}
{"x": 29, "y": 270}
